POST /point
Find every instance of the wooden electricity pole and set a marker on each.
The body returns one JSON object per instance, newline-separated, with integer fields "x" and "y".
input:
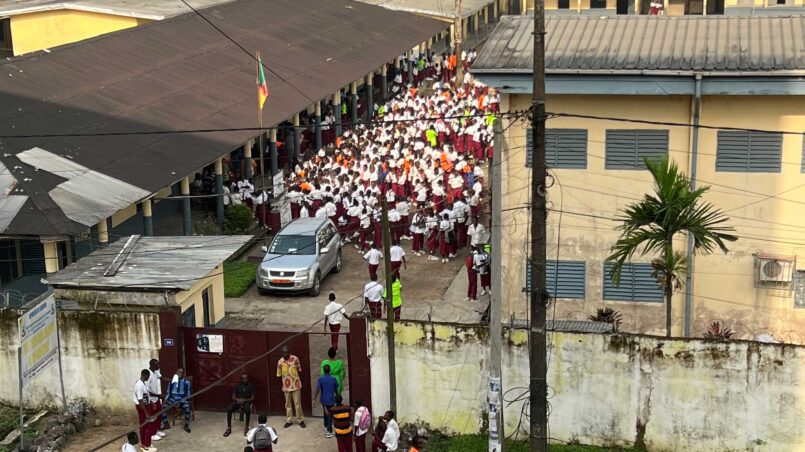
{"x": 538, "y": 396}
{"x": 458, "y": 36}
{"x": 389, "y": 307}
{"x": 498, "y": 436}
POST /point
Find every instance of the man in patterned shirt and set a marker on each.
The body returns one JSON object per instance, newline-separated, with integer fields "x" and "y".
{"x": 289, "y": 369}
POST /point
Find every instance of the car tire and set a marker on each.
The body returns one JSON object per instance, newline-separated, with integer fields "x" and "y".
{"x": 338, "y": 263}
{"x": 316, "y": 289}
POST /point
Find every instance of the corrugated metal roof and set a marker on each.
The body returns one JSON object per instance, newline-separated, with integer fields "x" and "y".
{"x": 152, "y": 263}
{"x": 181, "y": 74}
{"x": 443, "y": 9}
{"x": 570, "y": 326}
{"x": 648, "y": 43}
{"x": 143, "y": 9}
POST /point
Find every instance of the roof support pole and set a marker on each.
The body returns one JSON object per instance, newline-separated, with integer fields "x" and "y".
{"x": 148, "y": 218}
{"x": 297, "y": 145}
{"x": 410, "y": 66}
{"x": 184, "y": 190}
{"x": 476, "y": 19}
{"x": 317, "y": 121}
{"x": 51, "y": 256}
{"x": 103, "y": 233}
{"x": 704, "y": 7}
{"x": 370, "y": 94}
{"x": 486, "y": 14}
{"x": 219, "y": 190}
{"x": 247, "y": 158}
{"x": 337, "y": 113}
{"x": 384, "y": 82}
{"x": 353, "y": 102}
{"x": 495, "y": 9}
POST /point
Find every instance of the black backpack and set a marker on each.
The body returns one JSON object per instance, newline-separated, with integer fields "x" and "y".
{"x": 262, "y": 438}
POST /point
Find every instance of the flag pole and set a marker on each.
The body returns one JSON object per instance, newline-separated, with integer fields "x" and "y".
{"x": 262, "y": 145}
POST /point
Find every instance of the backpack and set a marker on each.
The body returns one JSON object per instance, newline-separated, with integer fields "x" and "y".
{"x": 262, "y": 438}
{"x": 366, "y": 419}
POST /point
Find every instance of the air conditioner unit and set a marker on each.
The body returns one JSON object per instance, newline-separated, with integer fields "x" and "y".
{"x": 772, "y": 270}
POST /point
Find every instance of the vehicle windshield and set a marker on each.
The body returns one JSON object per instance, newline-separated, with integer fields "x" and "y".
{"x": 293, "y": 244}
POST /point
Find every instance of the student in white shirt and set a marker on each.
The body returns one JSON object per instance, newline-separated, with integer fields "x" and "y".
{"x": 372, "y": 258}
{"x": 142, "y": 402}
{"x": 334, "y": 313}
{"x": 155, "y": 394}
{"x": 397, "y": 258}
{"x": 262, "y": 425}
{"x": 372, "y": 295}
{"x": 476, "y": 233}
{"x": 392, "y": 436}
{"x": 131, "y": 440}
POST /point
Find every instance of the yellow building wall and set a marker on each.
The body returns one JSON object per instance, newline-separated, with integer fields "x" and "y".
{"x": 191, "y": 299}
{"x": 598, "y": 192}
{"x": 47, "y": 29}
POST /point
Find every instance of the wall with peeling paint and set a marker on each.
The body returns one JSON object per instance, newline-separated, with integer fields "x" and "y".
{"x": 607, "y": 390}
{"x": 102, "y": 355}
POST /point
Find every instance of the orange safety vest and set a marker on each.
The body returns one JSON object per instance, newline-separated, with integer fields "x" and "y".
{"x": 446, "y": 165}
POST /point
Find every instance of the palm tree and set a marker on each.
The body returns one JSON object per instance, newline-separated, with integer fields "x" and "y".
{"x": 649, "y": 226}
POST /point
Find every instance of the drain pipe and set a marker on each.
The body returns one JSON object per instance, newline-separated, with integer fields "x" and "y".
{"x": 694, "y": 156}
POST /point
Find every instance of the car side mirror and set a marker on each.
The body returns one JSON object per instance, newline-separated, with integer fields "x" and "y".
{"x": 264, "y": 249}
{"x": 324, "y": 250}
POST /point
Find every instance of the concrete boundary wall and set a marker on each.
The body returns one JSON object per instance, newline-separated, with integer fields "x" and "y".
{"x": 669, "y": 395}
{"x": 102, "y": 355}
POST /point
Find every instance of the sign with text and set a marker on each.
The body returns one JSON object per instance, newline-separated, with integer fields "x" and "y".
{"x": 210, "y": 343}
{"x": 38, "y": 339}
{"x": 278, "y": 183}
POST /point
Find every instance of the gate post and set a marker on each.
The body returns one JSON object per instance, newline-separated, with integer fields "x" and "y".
{"x": 170, "y": 356}
{"x": 360, "y": 374}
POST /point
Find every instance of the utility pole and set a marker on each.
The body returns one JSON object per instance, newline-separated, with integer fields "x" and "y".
{"x": 389, "y": 308}
{"x": 496, "y": 436}
{"x": 459, "y": 30}
{"x": 538, "y": 396}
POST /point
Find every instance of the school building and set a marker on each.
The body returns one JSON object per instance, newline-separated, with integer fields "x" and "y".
{"x": 723, "y": 98}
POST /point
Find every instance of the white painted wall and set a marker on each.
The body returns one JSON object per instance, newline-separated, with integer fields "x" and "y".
{"x": 674, "y": 395}
{"x": 102, "y": 356}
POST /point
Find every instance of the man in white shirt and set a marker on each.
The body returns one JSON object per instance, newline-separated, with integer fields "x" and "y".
{"x": 372, "y": 258}
{"x": 477, "y": 233}
{"x": 266, "y": 435}
{"x": 334, "y": 313}
{"x": 142, "y": 403}
{"x": 392, "y": 436}
{"x": 373, "y": 295}
{"x": 155, "y": 394}
{"x": 397, "y": 257}
{"x": 461, "y": 211}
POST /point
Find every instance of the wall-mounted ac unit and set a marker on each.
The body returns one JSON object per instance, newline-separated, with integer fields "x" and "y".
{"x": 775, "y": 271}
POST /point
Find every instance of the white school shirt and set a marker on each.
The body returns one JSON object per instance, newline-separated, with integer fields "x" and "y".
{"x": 476, "y": 234}
{"x": 373, "y": 256}
{"x": 396, "y": 253}
{"x": 250, "y": 435}
{"x": 334, "y": 313}
{"x": 128, "y": 448}
{"x": 460, "y": 210}
{"x": 403, "y": 208}
{"x": 140, "y": 392}
{"x": 373, "y": 291}
{"x": 303, "y": 212}
{"x": 392, "y": 435}
{"x": 154, "y": 385}
{"x": 394, "y": 216}
{"x": 357, "y": 421}
{"x": 366, "y": 221}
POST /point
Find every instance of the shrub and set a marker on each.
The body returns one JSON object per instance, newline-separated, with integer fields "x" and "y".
{"x": 607, "y": 315}
{"x": 238, "y": 220}
{"x": 718, "y": 332}
{"x": 238, "y": 277}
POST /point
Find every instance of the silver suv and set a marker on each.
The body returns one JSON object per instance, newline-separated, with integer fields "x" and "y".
{"x": 300, "y": 256}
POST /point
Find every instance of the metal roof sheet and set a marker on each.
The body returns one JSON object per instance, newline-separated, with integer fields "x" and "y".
{"x": 143, "y": 9}
{"x": 151, "y": 263}
{"x": 443, "y": 9}
{"x": 181, "y": 74}
{"x": 638, "y": 44}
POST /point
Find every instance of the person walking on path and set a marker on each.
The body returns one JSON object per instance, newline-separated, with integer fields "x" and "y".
{"x": 142, "y": 403}
{"x": 289, "y": 368}
{"x": 336, "y": 368}
{"x": 373, "y": 295}
{"x": 362, "y": 422}
{"x": 391, "y": 438}
{"x": 326, "y": 387}
{"x": 242, "y": 398}
{"x": 262, "y": 438}
{"x": 472, "y": 276}
{"x": 342, "y": 424}
{"x": 334, "y": 313}
{"x": 482, "y": 264}
{"x": 372, "y": 258}
{"x": 396, "y": 296}
{"x": 397, "y": 257}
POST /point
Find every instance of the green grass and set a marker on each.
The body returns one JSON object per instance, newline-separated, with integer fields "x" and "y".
{"x": 9, "y": 420}
{"x": 238, "y": 277}
{"x": 478, "y": 443}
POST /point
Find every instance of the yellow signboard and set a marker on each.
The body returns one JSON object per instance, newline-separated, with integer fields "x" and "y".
{"x": 39, "y": 340}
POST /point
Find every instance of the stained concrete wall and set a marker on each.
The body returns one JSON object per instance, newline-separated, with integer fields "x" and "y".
{"x": 102, "y": 355}
{"x": 607, "y": 390}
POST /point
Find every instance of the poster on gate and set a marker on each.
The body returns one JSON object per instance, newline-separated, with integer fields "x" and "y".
{"x": 210, "y": 343}
{"x": 39, "y": 343}
{"x": 285, "y": 214}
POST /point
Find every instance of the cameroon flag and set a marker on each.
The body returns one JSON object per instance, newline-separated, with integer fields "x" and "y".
{"x": 262, "y": 86}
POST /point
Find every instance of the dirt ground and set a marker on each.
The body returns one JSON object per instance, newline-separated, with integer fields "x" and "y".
{"x": 206, "y": 435}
